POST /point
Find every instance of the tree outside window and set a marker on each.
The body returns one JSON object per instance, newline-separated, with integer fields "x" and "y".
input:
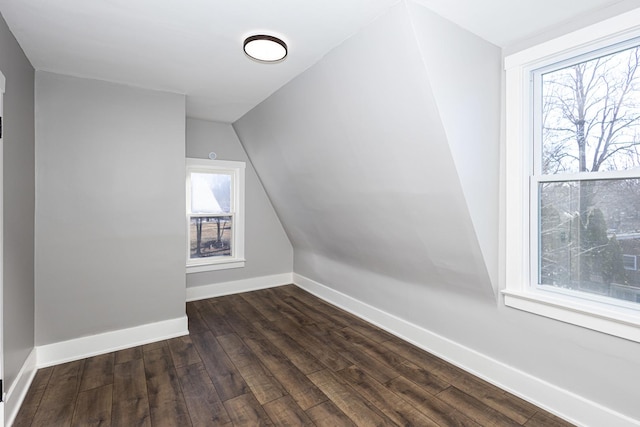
{"x": 587, "y": 184}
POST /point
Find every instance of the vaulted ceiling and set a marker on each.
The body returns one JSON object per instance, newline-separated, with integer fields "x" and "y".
{"x": 383, "y": 157}
{"x": 195, "y": 47}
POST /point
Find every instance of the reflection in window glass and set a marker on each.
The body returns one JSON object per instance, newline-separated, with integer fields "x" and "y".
{"x": 210, "y": 236}
{"x": 210, "y": 193}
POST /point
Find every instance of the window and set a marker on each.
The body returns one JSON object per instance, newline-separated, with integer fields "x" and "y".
{"x": 573, "y": 178}
{"x": 629, "y": 262}
{"x": 215, "y": 217}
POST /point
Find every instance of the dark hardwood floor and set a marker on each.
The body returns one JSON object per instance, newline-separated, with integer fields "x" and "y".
{"x": 273, "y": 357}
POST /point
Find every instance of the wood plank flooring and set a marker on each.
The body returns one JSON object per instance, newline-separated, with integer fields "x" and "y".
{"x": 275, "y": 357}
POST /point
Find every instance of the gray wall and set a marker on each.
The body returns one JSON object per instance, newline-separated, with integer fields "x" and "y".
{"x": 110, "y": 207}
{"x": 267, "y": 247}
{"x": 382, "y": 162}
{"x": 18, "y": 176}
{"x": 347, "y": 151}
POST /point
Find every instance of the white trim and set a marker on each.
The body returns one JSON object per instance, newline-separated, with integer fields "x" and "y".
{"x": 206, "y": 164}
{"x": 609, "y": 31}
{"x": 80, "y": 348}
{"x": 225, "y": 265}
{"x": 565, "y": 404}
{"x": 2, "y": 398}
{"x": 20, "y": 387}
{"x": 238, "y": 286}
{"x": 516, "y": 185}
{"x": 591, "y": 316}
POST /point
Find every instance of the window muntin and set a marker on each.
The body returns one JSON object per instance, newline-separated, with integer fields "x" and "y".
{"x": 215, "y": 217}
{"x": 587, "y": 126}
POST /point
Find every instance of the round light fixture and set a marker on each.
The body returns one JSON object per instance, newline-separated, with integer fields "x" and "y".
{"x": 263, "y": 48}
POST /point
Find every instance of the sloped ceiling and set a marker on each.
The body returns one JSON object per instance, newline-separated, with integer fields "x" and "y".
{"x": 361, "y": 155}
{"x": 508, "y": 22}
{"x": 195, "y": 47}
{"x": 468, "y": 115}
{"x": 191, "y": 47}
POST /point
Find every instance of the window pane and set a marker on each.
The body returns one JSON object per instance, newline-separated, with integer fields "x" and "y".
{"x": 630, "y": 262}
{"x": 589, "y": 230}
{"x": 210, "y": 236}
{"x": 210, "y": 193}
{"x": 591, "y": 115}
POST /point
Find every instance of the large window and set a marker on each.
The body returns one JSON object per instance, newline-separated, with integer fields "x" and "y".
{"x": 573, "y": 178}
{"x": 215, "y": 217}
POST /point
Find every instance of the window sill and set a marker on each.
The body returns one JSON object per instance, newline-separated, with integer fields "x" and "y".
{"x": 237, "y": 263}
{"x": 623, "y": 323}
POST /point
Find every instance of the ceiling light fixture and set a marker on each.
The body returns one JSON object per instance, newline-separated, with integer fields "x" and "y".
{"x": 263, "y": 48}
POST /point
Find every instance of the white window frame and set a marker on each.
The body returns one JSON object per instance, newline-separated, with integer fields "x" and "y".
{"x": 619, "y": 319}
{"x": 237, "y": 172}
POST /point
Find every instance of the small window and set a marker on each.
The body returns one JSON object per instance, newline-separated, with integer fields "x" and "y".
{"x": 215, "y": 217}
{"x": 630, "y": 262}
{"x": 573, "y": 178}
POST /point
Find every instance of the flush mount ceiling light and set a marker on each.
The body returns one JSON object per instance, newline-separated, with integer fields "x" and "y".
{"x": 263, "y": 48}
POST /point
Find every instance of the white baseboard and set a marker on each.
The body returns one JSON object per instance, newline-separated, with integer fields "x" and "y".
{"x": 80, "y": 348}
{"x": 18, "y": 390}
{"x": 565, "y": 404}
{"x": 238, "y": 286}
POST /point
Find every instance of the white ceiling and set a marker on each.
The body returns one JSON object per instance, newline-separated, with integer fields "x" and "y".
{"x": 195, "y": 47}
